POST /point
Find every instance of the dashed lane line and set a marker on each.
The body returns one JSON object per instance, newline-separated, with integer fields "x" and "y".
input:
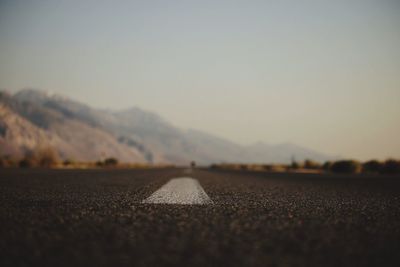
{"x": 182, "y": 190}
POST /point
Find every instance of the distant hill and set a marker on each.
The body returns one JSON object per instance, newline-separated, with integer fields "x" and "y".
{"x": 31, "y": 118}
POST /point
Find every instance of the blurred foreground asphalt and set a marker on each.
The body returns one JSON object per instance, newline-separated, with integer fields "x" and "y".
{"x": 96, "y": 218}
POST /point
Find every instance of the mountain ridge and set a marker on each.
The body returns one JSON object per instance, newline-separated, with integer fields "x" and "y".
{"x": 132, "y": 135}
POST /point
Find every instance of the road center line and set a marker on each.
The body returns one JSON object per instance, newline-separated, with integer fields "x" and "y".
{"x": 183, "y": 190}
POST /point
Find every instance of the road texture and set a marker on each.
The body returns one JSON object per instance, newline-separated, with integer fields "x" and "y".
{"x": 98, "y": 218}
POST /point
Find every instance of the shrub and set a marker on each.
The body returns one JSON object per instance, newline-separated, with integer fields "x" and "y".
{"x": 44, "y": 157}
{"x": 309, "y": 164}
{"x": 267, "y": 167}
{"x": 214, "y": 166}
{"x": 346, "y": 166}
{"x": 275, "y": 167}
{"x": 47, "y": 157}
{"x": 68, "y": 162}
{"x": 327, "y": 166}
{"x": 99, "y": 163}
{"x": 27, "y": 162}
{"x": 391, "y": 166}
{"x": 110, "y": 162}
{"x": 6, "y": 161}
{"x": 373, "y": 166}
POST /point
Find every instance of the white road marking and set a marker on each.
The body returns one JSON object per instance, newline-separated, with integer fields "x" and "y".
{"x": 184, "y": 190}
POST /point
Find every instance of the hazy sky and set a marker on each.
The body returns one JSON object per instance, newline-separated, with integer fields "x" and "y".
{"x": 323, "y": 74}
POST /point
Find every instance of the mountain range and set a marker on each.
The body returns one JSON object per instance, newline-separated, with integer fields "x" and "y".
{"x": 31, "y": 118}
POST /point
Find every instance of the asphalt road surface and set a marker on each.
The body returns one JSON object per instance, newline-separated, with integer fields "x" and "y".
{"x": 147, "y": 218}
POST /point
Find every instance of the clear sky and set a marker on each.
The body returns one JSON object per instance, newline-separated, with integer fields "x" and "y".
{"x": 322, "y": 74}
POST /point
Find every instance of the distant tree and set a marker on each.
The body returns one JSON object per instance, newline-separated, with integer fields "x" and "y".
{"x": 327, "y": 166}
{"x": 372, "y": 166}
{"x": 346, "y": 166}
{"x": 391, "y": 166}
{"x": 193, "y": 164}
{"x": 309, "y": 164}
{"x": 294, "y": 165}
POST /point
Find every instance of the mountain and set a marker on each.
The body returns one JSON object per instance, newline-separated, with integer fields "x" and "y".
{"x": 18, "y": 134}
{"x": 28, "y": 125}
{"x": 32, "y": 118}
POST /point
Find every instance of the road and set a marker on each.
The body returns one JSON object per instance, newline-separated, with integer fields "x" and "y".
{"x": 119, "y": 218}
